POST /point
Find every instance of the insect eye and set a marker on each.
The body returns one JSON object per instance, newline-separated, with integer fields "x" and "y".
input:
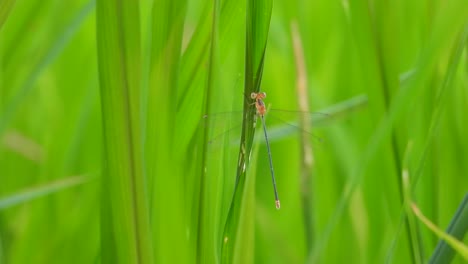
{"x": 263, "y": 94}
{"x": 253, "y": 95}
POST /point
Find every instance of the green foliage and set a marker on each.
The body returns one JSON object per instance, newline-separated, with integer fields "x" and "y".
{"x": 5, "y": 8}
{"x": 125, "y": 227}
{"x": 113, "y": 113}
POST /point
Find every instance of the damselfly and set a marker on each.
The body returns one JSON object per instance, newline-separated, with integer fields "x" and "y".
{"x": 288, "y": 125}
{"x": 261, "y": 111}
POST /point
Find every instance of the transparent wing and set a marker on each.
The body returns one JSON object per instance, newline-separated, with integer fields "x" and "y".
{"x": 225, "y": 127}
{"x": 283, "y": 123}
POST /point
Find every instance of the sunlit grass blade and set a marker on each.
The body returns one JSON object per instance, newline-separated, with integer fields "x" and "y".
{"x": 458, "y": 228}
{"x": 126, "y": 236}
{"x": 456, "y": 244}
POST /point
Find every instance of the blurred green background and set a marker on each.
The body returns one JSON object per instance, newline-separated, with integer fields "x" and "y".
{"x": 105, "y": 155}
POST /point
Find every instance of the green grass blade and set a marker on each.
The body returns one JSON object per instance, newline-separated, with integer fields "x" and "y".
{"x": 244, "y": 251}
{"x": 440, "y": 104}
{"x": 411, "y": 222}
{"x": 10, "y": 108}
{"x": 40, "y": 191}
{"x": 386, "y": 73}
{"x": 204, "y": 248}
{"x": 457, "y": 228}
{"x": 191, "y": 81}
{"x": 162, "y": 153}
{"x": 5, "y": 8}
{"x": 402, "y": 99}
{"x": 126, "y": 237}
{"x": 441, "y": 99}
{"x": 457, "y": 245}
{"x": 257, "y": 27}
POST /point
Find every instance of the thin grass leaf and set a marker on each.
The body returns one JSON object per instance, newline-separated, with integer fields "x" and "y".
{"x": 402, "y": 99}
{"x": 441, "y": 102}
{"x": 191, "y": 81}
{"x": 307, "y": 154}
{"x": 257, "y": 27}
{"x": 126, "y": 236}
{"x": 208, "y": 195}
{"x": 11, "y": 107}
{"x": 453, "y": 242}
{"x": 41, "y": 191}
{"x": 458, "y": 228}
{"x": 410, "y": 221}
{"x": 245, "y": 251}
{"x": 162, "y": 153}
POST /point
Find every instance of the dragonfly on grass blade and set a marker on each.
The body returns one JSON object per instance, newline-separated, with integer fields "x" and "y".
{"x": 261, "y": 111}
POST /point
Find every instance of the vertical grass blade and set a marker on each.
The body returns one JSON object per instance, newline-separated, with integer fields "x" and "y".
{"x": 257, "y": 26}
{"x": 307, "y": 157}
{"x": 411, "y": 223}
{"x": 10, "y": 107}
{"x": 125, "y": 219}
{"x": 163, "y": 154}
{"x": 205, "y": 251}
{"x": 430, "y": 56}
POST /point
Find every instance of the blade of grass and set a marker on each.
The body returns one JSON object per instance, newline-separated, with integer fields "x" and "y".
{"x": 11, "y": 106}
{"x": 245, "y": 251}
{"x": 307, "y": 156}
{"x": 162, "y": 154}
{"x": 453, "y": 242}
{"x": 440, "y": 103}
{"x": 411, "y": 222}
{"x": 432, "y": 53}
{"x": 126, "y": 236}
{"x": 218, "y": 166}
{"x": 257, "y": 26}
{"x": 387, "y": 66}
{"x": 457, "y": 228}
{"x": 190, "y": 93}
{"x": 41, "y": 191}
{"x": 204, "y": 241}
